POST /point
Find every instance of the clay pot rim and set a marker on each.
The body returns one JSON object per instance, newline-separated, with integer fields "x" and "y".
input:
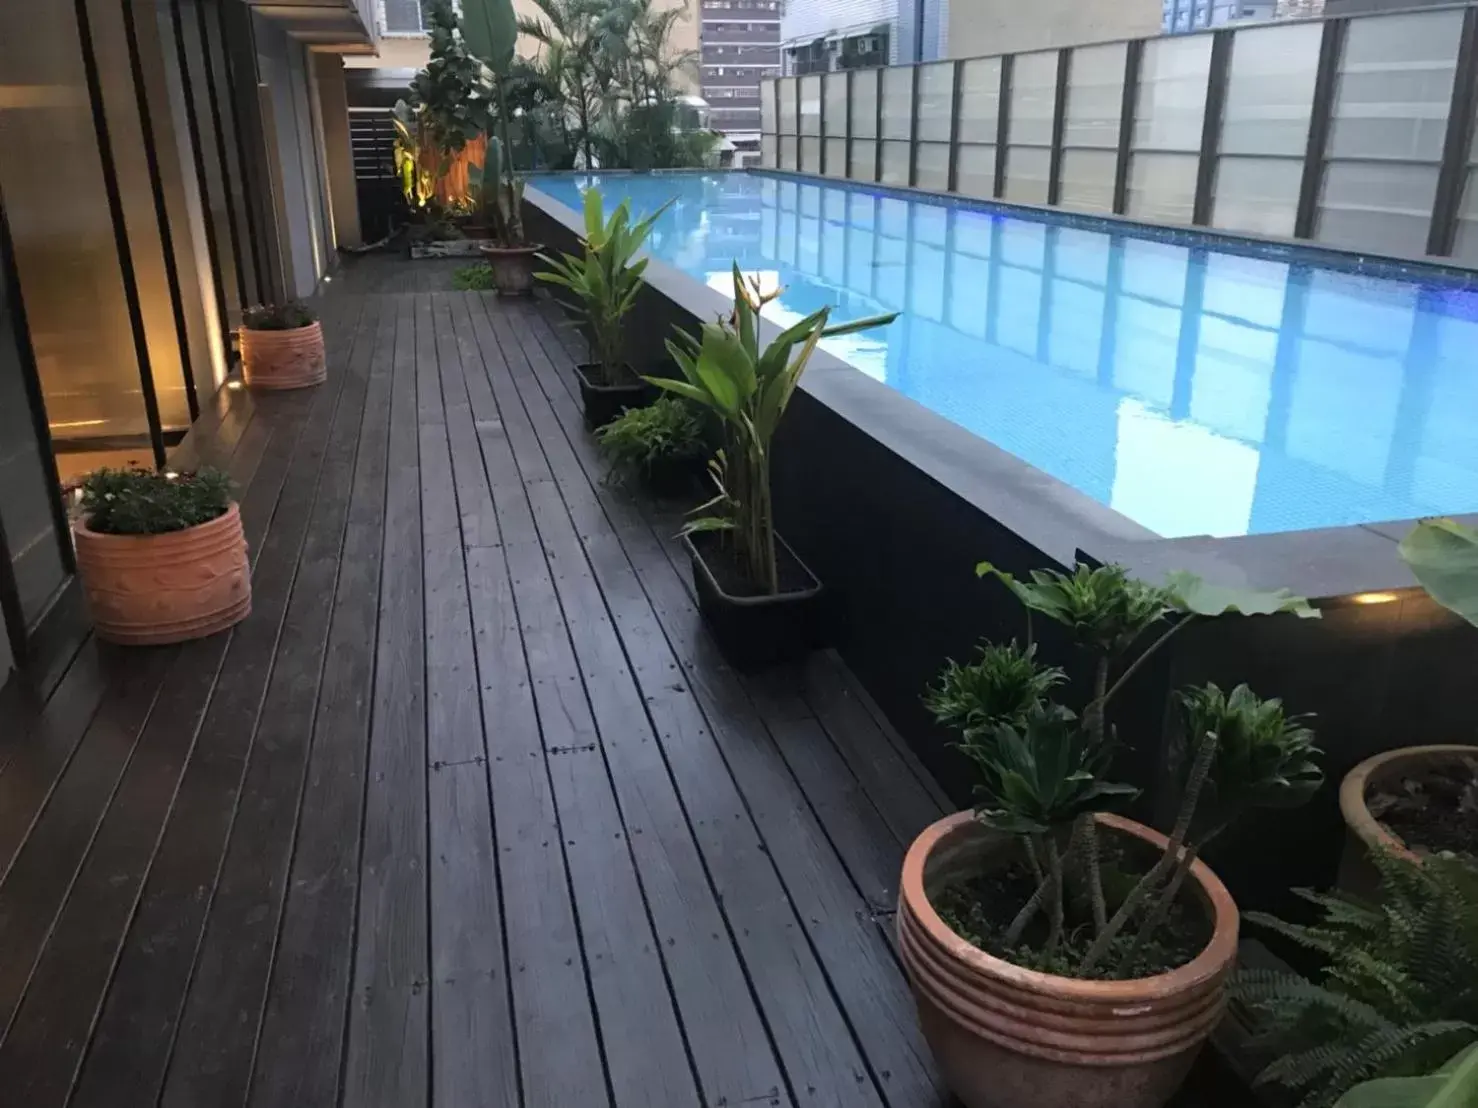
{"x": 1357, "y": 782}
{"x": 510, "y": 251}
{"x": 317, "y": 323}
{"x": 80, "y": 527}
{"x": 1213, "y": 959}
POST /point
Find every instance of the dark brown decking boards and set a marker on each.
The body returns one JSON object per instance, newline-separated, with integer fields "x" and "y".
{"x": 838, "y": 921}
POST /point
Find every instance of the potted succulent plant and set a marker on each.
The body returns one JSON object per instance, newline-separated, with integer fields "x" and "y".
{"x": 162, "y": 557}
{"x": 1395, "y": 997}
{"x": 759, "y": 598}
{"x": 282, "y": 347}
{"x": 490, "y": 30}
{"x": 1418, "y": 800}
{"x": 663, "y": 445}
{"x": 1062, "y": 956}
{"x": 605, "y": 280}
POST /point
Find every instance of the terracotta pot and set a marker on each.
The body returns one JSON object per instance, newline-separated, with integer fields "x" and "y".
{"x": 1008, "y": 1037}
{"x": 1363, "y": 832}
{"x": 146, "y": 590}
{"x": 291, "y": 359}
{"x": 513, "y": 268}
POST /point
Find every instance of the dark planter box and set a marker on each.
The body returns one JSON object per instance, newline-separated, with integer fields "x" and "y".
{"x": 754, "y": 632}
{"x": 604, "y": 403}
{"x": 675, "y": 478}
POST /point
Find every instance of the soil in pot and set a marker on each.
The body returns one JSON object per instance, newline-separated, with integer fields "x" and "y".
{"x": 1433, "y": 808}
{"x": 980, "y": 909}
{"x": 729, "y": 574}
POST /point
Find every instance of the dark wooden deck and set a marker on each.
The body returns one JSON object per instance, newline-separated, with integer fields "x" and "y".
{"x": 468, "y": 812}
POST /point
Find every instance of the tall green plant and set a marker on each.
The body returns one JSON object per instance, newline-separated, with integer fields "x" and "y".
{"x": 490, "y": 28}
{"x": 606, "y": 279}
{"x": 1443, "y": 554}
{"x": 748, "y": 387}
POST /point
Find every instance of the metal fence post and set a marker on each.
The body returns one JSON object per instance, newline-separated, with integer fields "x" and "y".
{"x": 1133, "y": 57}
{"x": 847, "y": 147}
{"x": 1458, "y": 141}
{"x": 1326, "y": 76}
{"x": 1059, "y": 125}
{"x": 877, "y": 131}
{"x": 913, "y": 128}
{"x": 1003, "y": 124}
{"x": 952, "y": 174}
{"x": 1216, "y": 98}
{"x": 800, "y": 157}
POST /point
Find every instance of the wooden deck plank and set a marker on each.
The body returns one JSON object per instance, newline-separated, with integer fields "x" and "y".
{"x": 559, "y": 1054}
{"x": 839, "y": 922}
{"x": 299, "y": 1054}
{"x": 212, "y": 1058}
{"x": 211, "y": 700}
{"x": 472, "y": 1048}
{"x": 638, "y": 1026}
{"x": 387, "y": 1054}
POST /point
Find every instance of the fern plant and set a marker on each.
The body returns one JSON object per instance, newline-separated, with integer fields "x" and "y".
{"x": 1399, "y": 991}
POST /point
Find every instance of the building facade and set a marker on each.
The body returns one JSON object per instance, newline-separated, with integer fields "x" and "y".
{"x": 182, "y": 170}
{"x": 821, "y": 36}
{"x": 740, "y": 44}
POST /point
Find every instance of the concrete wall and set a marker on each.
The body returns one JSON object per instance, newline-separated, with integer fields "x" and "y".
{"x": 982, "y": 27}
{"x": 333, "y": 108}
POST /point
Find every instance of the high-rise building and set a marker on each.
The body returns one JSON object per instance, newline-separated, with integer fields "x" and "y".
{"x": 822, "y": 35}
{"x": 740, "y": 47}
{"x": 1194, "y": 15}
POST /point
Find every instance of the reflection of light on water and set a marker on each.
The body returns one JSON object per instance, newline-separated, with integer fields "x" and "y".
{"x": 1178, "y": 478}
{"x": 860, "y": 350}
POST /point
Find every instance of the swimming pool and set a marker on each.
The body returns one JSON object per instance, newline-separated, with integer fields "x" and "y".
{"x": 1196, "y": 391}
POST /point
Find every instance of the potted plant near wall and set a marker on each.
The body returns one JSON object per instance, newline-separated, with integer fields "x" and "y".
{"x": 1062, "y": 956}
{"x": 282, "y": 347}
{"x": 759, "y": 598}
{"x": 1419, "y": 800}
{"x": 662, "y": 445}
{"x": 490, "y": 29}
{"x": 162, "y": 557}
{"x": 605, "y": 279}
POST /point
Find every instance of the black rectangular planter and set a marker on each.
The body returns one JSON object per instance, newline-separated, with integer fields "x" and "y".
{"x": 604, "y": 403}
{"x": 754, "y": 632}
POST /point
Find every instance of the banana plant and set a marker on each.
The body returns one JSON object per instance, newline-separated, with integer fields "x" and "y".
{"x": 606, "y": 279}
{"x": 1443, "y": 555}
{"x": 748, "y": 388}
{"x": 490, "y": 29}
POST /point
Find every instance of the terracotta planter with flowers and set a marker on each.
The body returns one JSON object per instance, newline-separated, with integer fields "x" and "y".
{"x": 282, "y": 348}
{"x": 149, "y": 582}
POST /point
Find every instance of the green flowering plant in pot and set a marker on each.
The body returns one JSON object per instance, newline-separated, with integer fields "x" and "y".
{"x": 605, "y": 279}
{"x": 756, "y": 594}
{"x": 1122, "y": 930}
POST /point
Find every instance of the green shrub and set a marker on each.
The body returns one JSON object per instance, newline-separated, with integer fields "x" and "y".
{"x": 640, "y": 438}
{"x": 1398, "y": 994}
{"x": 473, "y": 278}
{"x": 278, "y": 317}
{"x": 140, "y": 502}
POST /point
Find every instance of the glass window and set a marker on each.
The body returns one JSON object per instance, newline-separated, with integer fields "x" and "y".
{"x": 980, "y": 99}
{"x": 936, "y": 99}
{"x": 897, "y": 101}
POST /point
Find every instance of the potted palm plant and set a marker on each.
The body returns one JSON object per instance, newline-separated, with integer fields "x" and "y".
{"x": 759, "y": 598}
{"x": 162, "y": 557}
{"x": 1417, "y": 800}
{"x": 605, "y": 279}
{"x": 282, "y": 347}
{"x": 1062, "y": 956}
{"x": 490, "y": 29}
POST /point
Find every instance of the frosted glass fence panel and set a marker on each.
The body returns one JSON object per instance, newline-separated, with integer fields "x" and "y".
{"x": 785, "y": 98}
{"x": 1095, "y": 95}
{"x": 836, "y": 157}
{"x": 1027, "y": 171}
{"x": 788, "y": 152}
{"x": 865, "y": 104}
{"x": 768, "y": 122}
{"x": 864, "y": 160}
{"x": 810, "y": 154}
{"x": 834, "y": 104}
{"x": 811, "y": 104}
{"x": 1033, "y": 98}
{"x": 895, "y": 162}
{"x": 1270, "y": 90}
{"x": 932, "y": 166}
{"x": 767, "y": 151}
{"x": 1465, "y": 247}
{"x": 936, "y": 98}
{"x": 897, "y": 101}
{"x": 980, "y": 100}
{"x": 1386, "y": 207}
{"x": 1257, "y": 194}
{"x": 976, "y": 171}
{"x": 1162, "y": 187}
{"x": 1171, "y": 106}
{"x": 1087, "y": 180}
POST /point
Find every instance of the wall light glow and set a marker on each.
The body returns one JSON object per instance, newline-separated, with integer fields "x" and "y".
{"x": 1374, "y": 597}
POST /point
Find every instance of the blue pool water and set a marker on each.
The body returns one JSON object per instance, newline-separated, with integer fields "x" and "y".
{"x": 1194, "y": 391}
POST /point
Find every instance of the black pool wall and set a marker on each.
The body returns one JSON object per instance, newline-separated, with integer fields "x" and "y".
{"x": 892, "y": 506}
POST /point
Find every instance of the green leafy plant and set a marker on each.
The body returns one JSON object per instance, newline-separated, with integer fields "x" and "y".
{"x": 278, "y": 317}
{"x": 1454, "y": 1084}
{"x": 490, "y": 29}
{"x": 473, "y": 278}
{"x": 1042, "y": 767}
{"x": 605, "y": 279}
{"x": 1443, "y": 554}
{"x": 640, "y": 439}
{"x": 142, "y": 502}
{"x": 748, "y": 388}
{"x": 1399, "y": 990}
